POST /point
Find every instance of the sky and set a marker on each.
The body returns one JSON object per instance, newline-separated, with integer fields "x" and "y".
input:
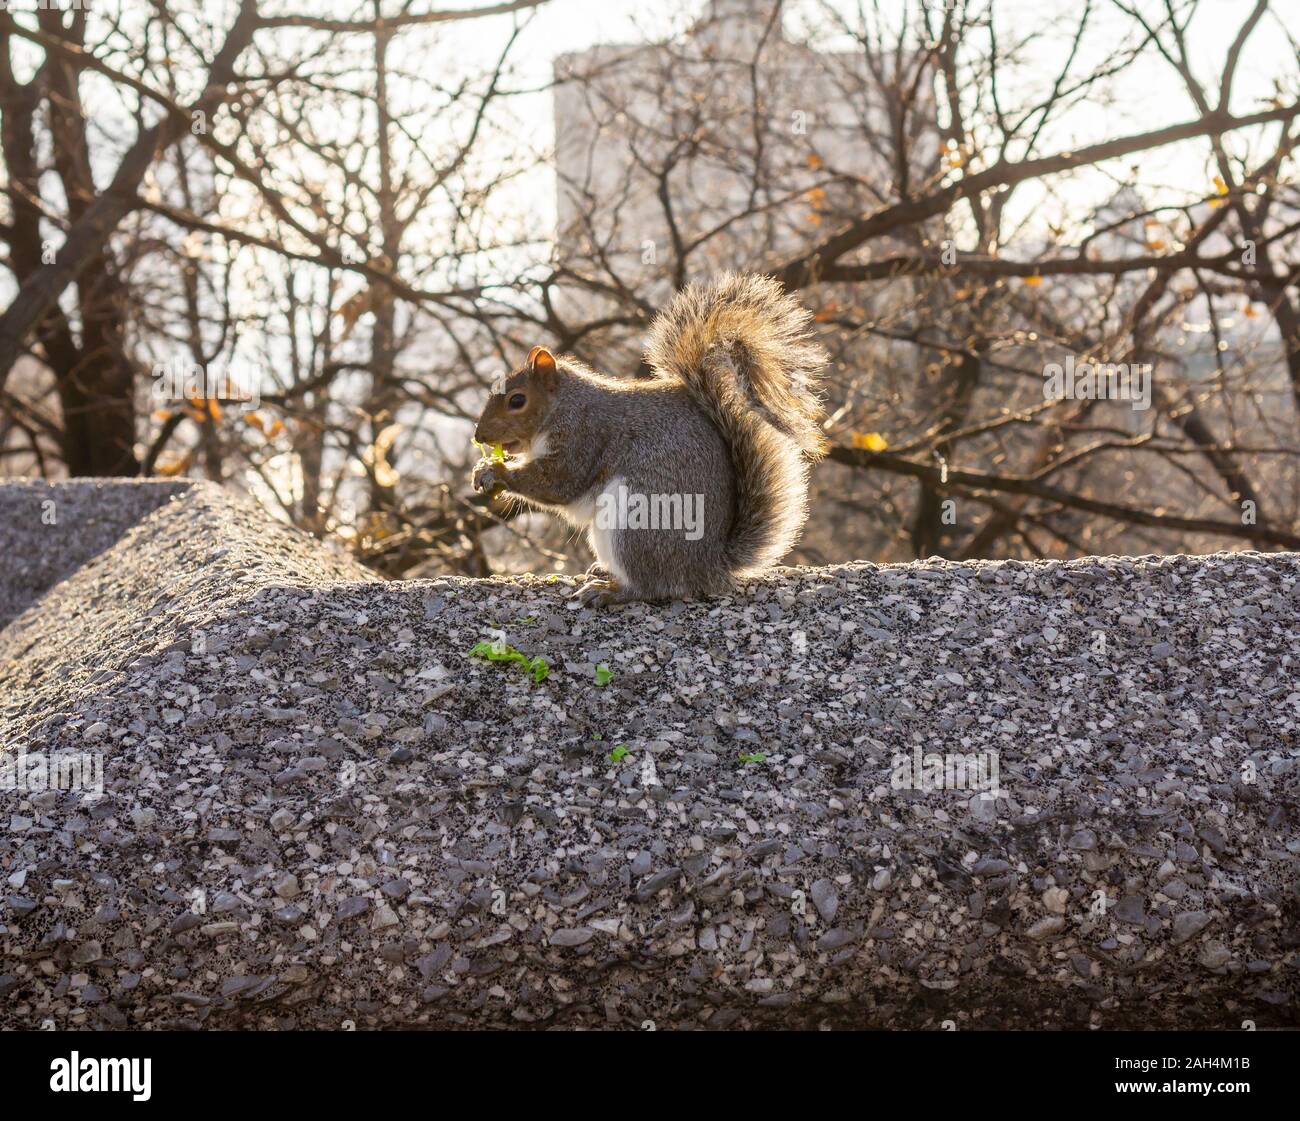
{"x": 1145, "y": 97}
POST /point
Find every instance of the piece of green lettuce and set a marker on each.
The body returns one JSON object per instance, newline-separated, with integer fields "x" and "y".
{"x": 501, "y": 651}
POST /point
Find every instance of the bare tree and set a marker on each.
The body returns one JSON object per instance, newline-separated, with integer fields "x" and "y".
{"x": 370, "y": 237}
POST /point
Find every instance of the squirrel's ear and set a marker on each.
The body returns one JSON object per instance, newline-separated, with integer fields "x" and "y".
{"x": 541, "y": 361}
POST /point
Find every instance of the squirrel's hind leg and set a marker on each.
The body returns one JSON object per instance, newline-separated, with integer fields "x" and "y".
{"x": 603, "y": 592}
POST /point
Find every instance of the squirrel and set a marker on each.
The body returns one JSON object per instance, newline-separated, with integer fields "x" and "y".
{"x": 720, "y": 440}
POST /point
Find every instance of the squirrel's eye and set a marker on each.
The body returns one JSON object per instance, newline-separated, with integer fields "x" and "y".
{"x": 517, "y": 401}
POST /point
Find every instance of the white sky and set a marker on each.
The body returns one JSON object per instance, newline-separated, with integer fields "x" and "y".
{"x": 1143, "y": 97}
{"x": 1147, "y": 96}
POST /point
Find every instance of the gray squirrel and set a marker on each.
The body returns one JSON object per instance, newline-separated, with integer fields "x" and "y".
{"x": 720, "y": 440}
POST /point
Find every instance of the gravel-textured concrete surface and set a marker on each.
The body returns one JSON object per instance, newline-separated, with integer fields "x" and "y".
{"x": 319, "y": 808}
{"x": 39, "y": 551}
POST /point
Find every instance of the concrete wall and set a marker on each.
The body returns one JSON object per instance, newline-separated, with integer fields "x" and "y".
{"x": 319, "y": 809}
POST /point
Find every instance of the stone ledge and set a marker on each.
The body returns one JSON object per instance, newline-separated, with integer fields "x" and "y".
{"x": 319, "y": 808}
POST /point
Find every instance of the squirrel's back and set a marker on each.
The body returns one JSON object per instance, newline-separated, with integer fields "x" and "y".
{"x": 740, "y": 347}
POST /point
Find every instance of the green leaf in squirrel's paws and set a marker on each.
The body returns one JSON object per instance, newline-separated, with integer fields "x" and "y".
{"x": 604, "y": 675}
{"x": 501, "y": 651}
{"x": 619, "y": 753}
{"x": 757, "y": 757}
{"x": 496, "y": 453}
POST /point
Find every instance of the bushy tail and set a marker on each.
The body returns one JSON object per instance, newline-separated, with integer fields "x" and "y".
{"x": 741, "y": 348}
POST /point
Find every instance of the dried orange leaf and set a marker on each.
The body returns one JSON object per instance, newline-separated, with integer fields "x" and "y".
{"x": 869, "y": 441}
{"x": 171, "y": 465}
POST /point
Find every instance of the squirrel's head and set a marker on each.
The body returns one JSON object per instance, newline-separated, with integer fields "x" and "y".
{"x": 514, "y": 413}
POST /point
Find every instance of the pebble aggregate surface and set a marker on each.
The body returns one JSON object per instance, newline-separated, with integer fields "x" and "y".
{"x": 319, "y": 810}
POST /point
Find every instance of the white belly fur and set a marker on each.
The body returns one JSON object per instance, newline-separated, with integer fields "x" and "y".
{"x": 540, "y": 449}
{"x": 600, "y": 535}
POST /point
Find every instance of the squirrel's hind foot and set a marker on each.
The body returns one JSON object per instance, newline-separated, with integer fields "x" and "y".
{"x": 600, "y": 591}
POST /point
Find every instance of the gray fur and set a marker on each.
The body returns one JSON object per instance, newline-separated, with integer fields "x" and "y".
{"x": 721, "y": 418}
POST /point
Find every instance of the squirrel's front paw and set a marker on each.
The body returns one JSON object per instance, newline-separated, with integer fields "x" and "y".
{"x": 488, "y": 477}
